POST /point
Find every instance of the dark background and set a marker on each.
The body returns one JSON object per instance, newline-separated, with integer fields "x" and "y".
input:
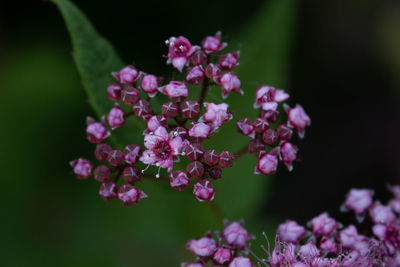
{"x": 344, "y": 69}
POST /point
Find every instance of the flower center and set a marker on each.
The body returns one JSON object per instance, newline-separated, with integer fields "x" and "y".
{"x": 162, "y": 150}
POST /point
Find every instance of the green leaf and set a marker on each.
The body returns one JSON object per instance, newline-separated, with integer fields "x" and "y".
{"x": 95, "y": 58}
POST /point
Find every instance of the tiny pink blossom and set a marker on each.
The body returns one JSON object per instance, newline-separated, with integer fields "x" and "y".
{"x": 229, "y": 61}
{"x": 116, "y": 117}
{"x": 127, "y": 75}
{"x": 298, "y": 119}
{"x": 202, "y": 247}
{"x": 198, "y": 58}
{"x": 235, "y": 235}
{"x": 328, "y": 246}
{"x": 222, "y": 256}
{"x": 179, "y": 180}
{"x": 212, "y": 44}
{"x": 195, "y": 75}
{"x": 229, "y": 82}
{"x": 241, "y": 262}
{"x": 288, "y": 153}
{"x": 267, "y": 163}
{"x": 359, "y": 200}
{"x": 128, "y": 194}
{"x": 176, "y": 91}
{"x": 216, "y": 114}
{"x": 108, "y": 191}
{"x": 204, "y": 190}
{"x": 212, "y": 71}
{"x": 201, "y": 130}
{"x": 245, "y": 126}
{"x": 131, "y": 154}
{"x": 82, "y": 168}
{"x": 381, "y": 214}
{"x": 291, "y": 232}
{"x": 156, "y": 121}
{"x": 179, "y": 51}
{"x": 308, "y": 251}
{"x": 150, "y": 85}
{"x": 348, "y": 236}
{"x": 96, "y": 132}
{"x": 323, "y": 225}
{"x": 114, "y": 91}
{"x": 268, "y": 94}
{"x": 395, "y": 205}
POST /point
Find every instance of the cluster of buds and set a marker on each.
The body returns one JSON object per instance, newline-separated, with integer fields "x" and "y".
{"x": 323, "y": 243}
{"x": 272, "y": 142}
{"x": 178, "y": 131}
{"x": 228, "y": 248}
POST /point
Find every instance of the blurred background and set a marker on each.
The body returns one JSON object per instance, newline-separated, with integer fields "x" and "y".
{"x": 339, "y": 59}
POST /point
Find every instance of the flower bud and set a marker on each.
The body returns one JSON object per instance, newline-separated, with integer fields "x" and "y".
{"x": 198, "y": 58}
{"x": 102, "y": 151}
{"x": 108, "y": 191}
{"x": 114, "y": 91}
{"x": 127, "y": 75}
{"x": 115, "y": 157}
{"x": 241, "y": 262}
{"x": 222, "y": 256}
{"x": 211, "y": 157}
{"x": 131, "y": 174}
{"x": 298, "y": 119}
{"x": 284, "y": 132}
{"x": 348, "y": 237}
{"x": 176, "y": 91}
{"x": 212, "y": 71}
{"x": 215, "y": 173}
{"x": 212, "y": 44}
{"x": 217, "y": 114}
{"x": 203, "y": 190}
{"x": 359, "y": 200}
{"x": 180, "y": 131}
{"x": 291, "y": 232}
{"x": 129, "y": 95}
{"x": 150, "y": 85}
{"x": 131, "y": 154}
{"x": 235, "y": 235}
{"x": 229, "y": 61}
{"x": 308, "y": 252}
{"x": 191, "y": 109}
{"x": 203, "y": 247}
{"x": 200, "y": 130}
{"x": 288, "y": 154}
{"x": 323, "y": 225}
{"x": 194, "y": 151}
{"x": 256, "y": 146}
{"x": 381, "y": 214}
{"x": 260, "y": 125}
{"x": 128, "y": 195}
{"x": 101, "y": 173}
{"x": 270, "y": 137}
{"x": 195, "y": 169}
{"x": 226, "y": 159}
{"x": 116, "y": 117}
{"x": 328, "y": 246}
{"x": 267, "y": 163}
{"x": 195, "y": 75}
{"x": 96, "y": 132}
{"x": 229, "y": 82}
{"x": 179, "y": 180}
{"x": 141, "y": 108}
{"x": 156, "y": 121}
{"x": 271, "y": 116}
{"x": 245, "y": 127}
{"x": 82, "y": 168}
{"x": 169, "y": 110}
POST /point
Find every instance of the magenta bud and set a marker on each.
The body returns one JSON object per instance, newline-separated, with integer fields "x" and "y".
{"x": 115, "y": 157}
{"x": 128, "y": 195}
{"x": 298, "y": 119}
{"x": 235, "y": 235}
{"x": 255, "y": 146}
{"x": 131, "y": 154}
{"x": 204, "y": 190}
{"x": 288, "y": 153}
{"x": 260, "y": 125}
{"x": 179, "y": 180}
{"x": 203, "y": 247}
{"x": 195, "y": 169}
{"x": 212, "y": 44}
{"x": 291, "y": 232}
{"x": 226, "y": 159}
{"x": 245, "y": 127}
{"x": 150, "y": 85}
{"x": 194, "y": 151}
{"x": 195, "y": 75}
{"x": 169, "y": 110}
{"x": 131, "y": 174}
{"x": 270, "y": 137}
{"x": 114, "y": 91}
{"x": 267, "y": 163}
{"x": 198, "y": 58}
{"x": 156, "y": 121}
{"x": 222, "y": 256}
{"x": 102, "y": 151}
{"x": 108, "y": 191}
{"x": 215, "y": 173}
{"x": 116, "y": 117}
{"x": 229, "y": 82}
{"x": 127, "y": 75}
{"x": 359, "y": 200}
{"x": 200, "y": 130}
{"x": 211, "y": 157}
{"x": 191, "y": 109}
{"x": 284, "y": 133}
{"x": 141, "y": 108}
{"x": 129, "y": 95}
{"x": 101, "y": 173}
{"x": 176, "y": 91}
{"x": 229, "y": 61}
{"x": 270, "y": 115}
{"x": 241, "y": 261}
{"x": 323, "y": 225}
{"x": 96, "y": 132}
{"x": 82, "y": 168}
{"x": 180, "y": 131}
{"x": 212, "y": 71}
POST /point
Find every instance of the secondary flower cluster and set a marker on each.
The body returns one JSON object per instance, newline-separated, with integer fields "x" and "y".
{"x": 226, "y": 249}
{"x": 324, "y": 243}
{"x": 274, "y": 137}
{"x": 177, "y": 131}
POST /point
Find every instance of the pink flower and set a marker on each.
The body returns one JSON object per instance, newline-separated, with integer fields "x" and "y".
{"x": 156, "y": 121}
{"x": 96, "y": 132}
{"x": 150, "y": 85}
{"x": 382, "y": 214}
{"x": 114, "y": 91}
{"x": 116, "y": 117}
{"x": 359, "y": 200}
{"x": 204, "y": 190}
{"x": 161, "y": 148}
{"x": 108, "y": 191}
{"x": 131, "y": 154}
{"x": 229, "y": 61}
{"x": 288, "y": 153}
{"x": 82, "y": 168}
{"x": 308, "y": 251}
{"x": 298, "y": 119}
{"x": 246, "y": 127}
{"x": 390, "y": 234}
{"x": 216, "y": 114}
{"x": 128, "y": 194}
{"x": 267, "y": 163}
{"x": 179, "y": 51}
{"x": 241, "y": 262}
{"x": 229, "y": 82}
{"x": 235, "y": 235}
{"x": 212, "y": 44}
{"x": 328, "y": 246}
{"x": 202, "y": 247}
{"x": 323, "y": 225}
{"x": 268, "y": 96}
{"x": 349, "y": 236}
{"x": 195, "y": 75}
{"x": 291, "y": 232}
{"x": 127, "y": 75}
{"x": 176, "y": 91}
{"x": 222, "y": 256}
{"x": 200, "y": 130}
{"x": 212, "y": 71}
{"x": 179, "y": 180}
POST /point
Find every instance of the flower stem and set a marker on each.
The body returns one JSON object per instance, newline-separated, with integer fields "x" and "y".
{"x": 216, "y": 211}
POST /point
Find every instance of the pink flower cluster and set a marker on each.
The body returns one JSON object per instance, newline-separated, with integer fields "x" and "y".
{"x": 222, "y": 249}
{"x": 324, "y": 243}
{"x": 276, "y": 138}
